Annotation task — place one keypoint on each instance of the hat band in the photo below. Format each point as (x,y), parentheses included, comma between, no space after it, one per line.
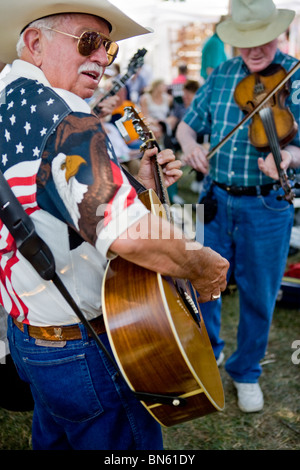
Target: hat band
(253,25)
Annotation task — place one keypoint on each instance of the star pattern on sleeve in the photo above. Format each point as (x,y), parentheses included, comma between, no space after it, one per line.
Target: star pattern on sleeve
(22,133)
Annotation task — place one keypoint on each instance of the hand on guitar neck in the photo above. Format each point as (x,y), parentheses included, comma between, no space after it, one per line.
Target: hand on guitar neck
(170,168)
(106,107)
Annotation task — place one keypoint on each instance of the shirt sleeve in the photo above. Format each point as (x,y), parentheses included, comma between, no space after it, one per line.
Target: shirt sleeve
(81,183)
(198,114)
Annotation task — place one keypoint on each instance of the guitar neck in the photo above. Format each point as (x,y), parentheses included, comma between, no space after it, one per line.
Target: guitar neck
(147,137)
(161,189)
(159,183)
(117,85)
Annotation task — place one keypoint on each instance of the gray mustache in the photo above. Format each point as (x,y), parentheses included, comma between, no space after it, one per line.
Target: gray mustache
(91,67)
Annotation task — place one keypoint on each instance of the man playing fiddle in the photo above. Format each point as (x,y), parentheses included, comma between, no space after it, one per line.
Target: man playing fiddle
(251,227)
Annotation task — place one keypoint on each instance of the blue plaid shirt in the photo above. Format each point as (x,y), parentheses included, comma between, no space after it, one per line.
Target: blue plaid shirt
(215,112)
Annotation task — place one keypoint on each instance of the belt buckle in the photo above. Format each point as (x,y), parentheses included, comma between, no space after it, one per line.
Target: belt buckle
(58,333)
(230,189)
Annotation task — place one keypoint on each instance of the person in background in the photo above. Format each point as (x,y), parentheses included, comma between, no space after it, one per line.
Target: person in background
(155,106)
(137,84)
(247,222)
(213,54)
(182,75)
(189,88)
(177,112)
(63,168)
(176,87)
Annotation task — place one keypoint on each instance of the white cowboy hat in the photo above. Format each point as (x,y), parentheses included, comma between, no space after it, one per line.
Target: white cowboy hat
(16,14)
(254,23)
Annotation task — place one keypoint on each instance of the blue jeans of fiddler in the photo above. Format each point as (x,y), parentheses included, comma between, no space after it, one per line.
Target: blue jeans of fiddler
(253,234)
(80,403)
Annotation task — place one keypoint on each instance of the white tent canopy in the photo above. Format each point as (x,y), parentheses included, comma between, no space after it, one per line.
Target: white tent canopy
(192,9)
(161,16)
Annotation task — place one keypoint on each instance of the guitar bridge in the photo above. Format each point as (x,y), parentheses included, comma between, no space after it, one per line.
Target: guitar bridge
(189,303)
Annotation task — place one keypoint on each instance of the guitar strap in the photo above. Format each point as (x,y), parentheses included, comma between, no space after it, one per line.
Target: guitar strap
(134,182)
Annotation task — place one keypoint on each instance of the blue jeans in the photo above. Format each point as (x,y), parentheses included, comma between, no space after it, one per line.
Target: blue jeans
(252,233)
(80,402)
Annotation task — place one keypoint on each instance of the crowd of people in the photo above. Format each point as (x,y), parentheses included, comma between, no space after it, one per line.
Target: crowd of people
(64,163)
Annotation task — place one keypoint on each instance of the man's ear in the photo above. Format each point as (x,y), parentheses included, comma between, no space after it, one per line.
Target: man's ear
(33,41)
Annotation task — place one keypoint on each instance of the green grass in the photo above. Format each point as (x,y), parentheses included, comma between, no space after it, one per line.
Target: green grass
(278,425)
(15,430)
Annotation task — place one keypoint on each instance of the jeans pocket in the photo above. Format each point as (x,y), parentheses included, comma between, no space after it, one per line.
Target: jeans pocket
(273,204)
(65,387)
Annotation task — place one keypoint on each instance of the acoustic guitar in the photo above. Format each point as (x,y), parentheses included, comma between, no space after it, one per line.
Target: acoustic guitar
(156,330)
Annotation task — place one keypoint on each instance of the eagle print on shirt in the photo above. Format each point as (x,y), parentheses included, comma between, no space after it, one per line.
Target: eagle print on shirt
(79,172)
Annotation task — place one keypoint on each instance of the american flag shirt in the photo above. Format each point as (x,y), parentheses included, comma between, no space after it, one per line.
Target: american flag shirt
(62,167)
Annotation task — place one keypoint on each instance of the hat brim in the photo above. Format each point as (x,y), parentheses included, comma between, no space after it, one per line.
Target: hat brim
(15,15)
(230,34)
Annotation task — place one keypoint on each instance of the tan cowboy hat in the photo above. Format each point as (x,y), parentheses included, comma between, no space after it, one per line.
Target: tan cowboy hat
(16,14)
(254,23)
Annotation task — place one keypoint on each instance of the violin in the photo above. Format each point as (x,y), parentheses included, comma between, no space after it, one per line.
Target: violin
(266,99)
(273,126)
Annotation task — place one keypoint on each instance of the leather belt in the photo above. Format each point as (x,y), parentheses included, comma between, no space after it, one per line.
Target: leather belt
(262,190)
(61,333)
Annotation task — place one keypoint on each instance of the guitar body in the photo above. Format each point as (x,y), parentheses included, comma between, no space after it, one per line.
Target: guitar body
(159,346)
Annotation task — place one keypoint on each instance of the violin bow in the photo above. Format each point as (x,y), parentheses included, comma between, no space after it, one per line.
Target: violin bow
(254,111)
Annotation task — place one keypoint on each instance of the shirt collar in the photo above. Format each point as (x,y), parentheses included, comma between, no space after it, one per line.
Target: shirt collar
(21,68)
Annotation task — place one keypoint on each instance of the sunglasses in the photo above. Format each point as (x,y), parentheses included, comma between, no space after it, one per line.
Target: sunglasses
(90,41)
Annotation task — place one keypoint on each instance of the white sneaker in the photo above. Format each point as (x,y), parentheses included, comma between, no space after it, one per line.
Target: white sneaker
(250,397)
(220,358)
(196,186)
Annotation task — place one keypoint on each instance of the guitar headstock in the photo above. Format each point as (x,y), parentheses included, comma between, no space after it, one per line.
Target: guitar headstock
(146,136)
(137,61)
(144,132)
